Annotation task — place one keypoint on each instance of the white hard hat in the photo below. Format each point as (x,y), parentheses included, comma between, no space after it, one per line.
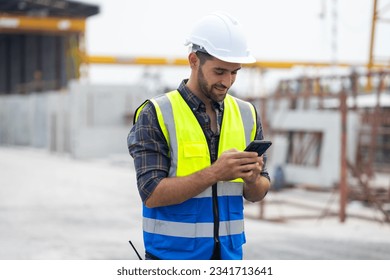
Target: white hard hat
(220,35)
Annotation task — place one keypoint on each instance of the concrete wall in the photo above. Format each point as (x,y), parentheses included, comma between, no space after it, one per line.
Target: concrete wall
(23,120)
(90,121)
(86,121)
(327,122)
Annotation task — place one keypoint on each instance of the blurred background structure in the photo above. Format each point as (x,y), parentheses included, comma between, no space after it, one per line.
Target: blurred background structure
(329,121)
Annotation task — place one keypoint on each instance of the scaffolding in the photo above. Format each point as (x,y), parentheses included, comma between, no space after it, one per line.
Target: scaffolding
(346,94)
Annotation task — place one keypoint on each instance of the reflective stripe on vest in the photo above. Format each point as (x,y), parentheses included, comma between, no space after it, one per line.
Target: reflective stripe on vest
(168,230)
(192,230)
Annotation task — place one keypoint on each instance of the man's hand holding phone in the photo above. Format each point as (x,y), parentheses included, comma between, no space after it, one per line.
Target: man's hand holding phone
(259,146)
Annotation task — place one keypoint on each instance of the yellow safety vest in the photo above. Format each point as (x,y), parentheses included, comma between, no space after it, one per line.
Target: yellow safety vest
(186,231)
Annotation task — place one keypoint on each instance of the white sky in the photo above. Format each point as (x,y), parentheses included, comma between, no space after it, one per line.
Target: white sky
(280,30)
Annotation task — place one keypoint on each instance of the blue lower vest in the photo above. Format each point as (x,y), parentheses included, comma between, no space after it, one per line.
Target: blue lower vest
(186,231)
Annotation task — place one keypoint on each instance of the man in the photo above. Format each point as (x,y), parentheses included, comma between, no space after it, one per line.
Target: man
(187,145)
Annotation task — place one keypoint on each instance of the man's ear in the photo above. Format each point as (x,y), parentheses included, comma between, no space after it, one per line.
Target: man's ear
(193,59)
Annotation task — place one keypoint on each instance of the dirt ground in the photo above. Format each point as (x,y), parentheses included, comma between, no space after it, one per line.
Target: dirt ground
(53,207)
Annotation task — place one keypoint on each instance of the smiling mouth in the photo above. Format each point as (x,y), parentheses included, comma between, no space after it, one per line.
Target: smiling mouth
(224,89)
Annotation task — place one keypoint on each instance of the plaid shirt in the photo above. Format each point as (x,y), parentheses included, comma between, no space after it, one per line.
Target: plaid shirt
(149,148)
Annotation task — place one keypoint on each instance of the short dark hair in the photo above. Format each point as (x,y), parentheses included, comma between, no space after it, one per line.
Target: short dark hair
(203,57)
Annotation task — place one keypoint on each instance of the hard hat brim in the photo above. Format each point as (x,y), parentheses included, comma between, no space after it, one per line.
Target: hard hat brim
(243,60)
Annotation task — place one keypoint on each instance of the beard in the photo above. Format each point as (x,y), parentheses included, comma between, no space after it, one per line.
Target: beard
(207,90)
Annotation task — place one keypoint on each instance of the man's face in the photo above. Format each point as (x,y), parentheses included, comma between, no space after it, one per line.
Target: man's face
(215,77)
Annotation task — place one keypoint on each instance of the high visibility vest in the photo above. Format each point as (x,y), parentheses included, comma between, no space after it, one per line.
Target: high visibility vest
(186,230)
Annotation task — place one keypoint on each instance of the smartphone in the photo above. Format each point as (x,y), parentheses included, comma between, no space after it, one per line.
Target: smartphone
(259,146)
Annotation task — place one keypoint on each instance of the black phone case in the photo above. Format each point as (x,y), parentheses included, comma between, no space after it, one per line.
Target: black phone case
(259,146)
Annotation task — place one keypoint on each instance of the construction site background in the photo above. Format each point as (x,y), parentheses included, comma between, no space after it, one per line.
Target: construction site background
(65,172)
